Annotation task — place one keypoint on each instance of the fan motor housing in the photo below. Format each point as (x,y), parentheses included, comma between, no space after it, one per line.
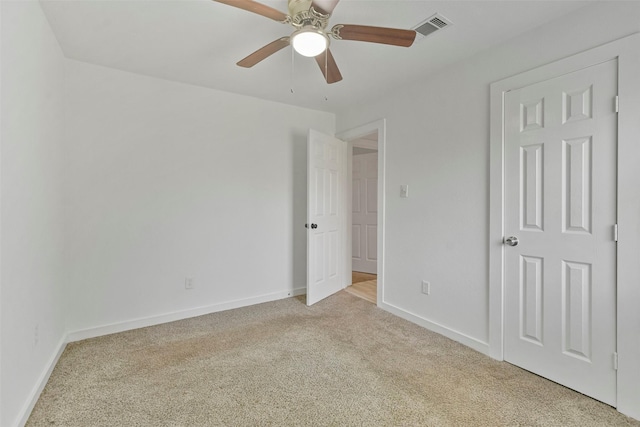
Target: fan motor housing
(302,14)
(297,6)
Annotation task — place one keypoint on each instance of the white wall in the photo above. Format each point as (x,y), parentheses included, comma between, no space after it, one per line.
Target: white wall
(115,187)
(438,143)
(166,181)
(31,279)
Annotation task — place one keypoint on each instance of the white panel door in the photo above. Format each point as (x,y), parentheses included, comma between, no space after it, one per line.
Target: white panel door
(324,215)
(560,203)
(365,213)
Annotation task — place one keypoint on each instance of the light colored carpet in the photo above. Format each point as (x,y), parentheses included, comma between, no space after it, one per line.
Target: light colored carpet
(342,362)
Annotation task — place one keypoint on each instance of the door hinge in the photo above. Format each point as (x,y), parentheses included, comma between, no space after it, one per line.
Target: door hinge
(615,361)
(617,104)
(615,232)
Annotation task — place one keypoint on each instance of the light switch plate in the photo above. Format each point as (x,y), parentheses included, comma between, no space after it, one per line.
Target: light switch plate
(426,287)
(404,191)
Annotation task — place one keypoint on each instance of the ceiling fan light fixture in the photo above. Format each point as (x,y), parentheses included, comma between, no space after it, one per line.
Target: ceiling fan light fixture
(309,41)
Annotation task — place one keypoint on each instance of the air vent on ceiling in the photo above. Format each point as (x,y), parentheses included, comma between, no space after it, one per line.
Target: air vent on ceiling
(431,25)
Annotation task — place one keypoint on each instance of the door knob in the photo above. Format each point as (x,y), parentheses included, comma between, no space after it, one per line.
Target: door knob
(314,226)
(511,241)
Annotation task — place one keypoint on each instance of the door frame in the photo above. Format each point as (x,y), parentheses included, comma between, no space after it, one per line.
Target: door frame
(625,51)
(349,136)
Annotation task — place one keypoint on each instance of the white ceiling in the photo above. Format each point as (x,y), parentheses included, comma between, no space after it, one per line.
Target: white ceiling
(199,41)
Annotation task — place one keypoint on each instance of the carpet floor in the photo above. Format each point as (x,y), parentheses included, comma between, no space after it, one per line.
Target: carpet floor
(342,362)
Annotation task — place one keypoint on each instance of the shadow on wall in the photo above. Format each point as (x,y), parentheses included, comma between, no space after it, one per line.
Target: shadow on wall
(299,194)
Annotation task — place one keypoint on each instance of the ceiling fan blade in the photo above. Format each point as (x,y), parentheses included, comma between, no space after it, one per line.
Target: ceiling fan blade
(324,6)
(329,67)
(264,52)
(364,33)
(256,7)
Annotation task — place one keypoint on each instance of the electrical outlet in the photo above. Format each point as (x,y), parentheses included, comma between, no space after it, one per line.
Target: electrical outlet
(426,287)
(189,283)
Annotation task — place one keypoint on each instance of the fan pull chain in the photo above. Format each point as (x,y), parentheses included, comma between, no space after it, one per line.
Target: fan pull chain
(326,72)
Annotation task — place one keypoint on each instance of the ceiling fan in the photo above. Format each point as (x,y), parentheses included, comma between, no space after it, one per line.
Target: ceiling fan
(310,37)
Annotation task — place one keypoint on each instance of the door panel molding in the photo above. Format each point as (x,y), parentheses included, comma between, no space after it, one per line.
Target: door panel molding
(625,51)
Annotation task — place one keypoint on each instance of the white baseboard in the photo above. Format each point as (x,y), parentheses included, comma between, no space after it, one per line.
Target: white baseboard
(474,343)
(24,414)
(178,315)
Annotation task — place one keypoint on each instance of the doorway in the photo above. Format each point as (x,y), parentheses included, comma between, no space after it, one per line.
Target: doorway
(365,211)
(364,217)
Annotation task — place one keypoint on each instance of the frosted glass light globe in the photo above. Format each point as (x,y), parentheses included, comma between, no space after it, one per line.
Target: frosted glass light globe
(309,42)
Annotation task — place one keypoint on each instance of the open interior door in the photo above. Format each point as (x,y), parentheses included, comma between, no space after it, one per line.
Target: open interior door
(325,225)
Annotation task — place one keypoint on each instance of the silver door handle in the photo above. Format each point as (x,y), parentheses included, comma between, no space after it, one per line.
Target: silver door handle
(511,241)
